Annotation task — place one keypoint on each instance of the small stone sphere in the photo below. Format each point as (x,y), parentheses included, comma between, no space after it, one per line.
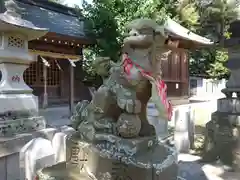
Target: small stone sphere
(128,125)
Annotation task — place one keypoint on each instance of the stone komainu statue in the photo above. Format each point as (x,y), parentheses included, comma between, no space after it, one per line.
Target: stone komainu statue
(119,106)
(113,130)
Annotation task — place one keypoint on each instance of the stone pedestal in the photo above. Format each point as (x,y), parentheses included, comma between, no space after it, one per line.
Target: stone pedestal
(107,162)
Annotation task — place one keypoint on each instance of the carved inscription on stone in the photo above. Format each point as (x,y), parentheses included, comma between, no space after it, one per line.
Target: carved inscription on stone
(120,171)
(74,154)
(78,156)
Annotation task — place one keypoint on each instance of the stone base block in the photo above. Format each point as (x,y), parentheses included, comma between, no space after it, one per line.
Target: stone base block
(18,103)
(222,139)
(105,169)
(108,169)
(89,162)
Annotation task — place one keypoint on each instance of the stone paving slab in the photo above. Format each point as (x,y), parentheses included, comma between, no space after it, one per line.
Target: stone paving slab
(56,116)
(189,169)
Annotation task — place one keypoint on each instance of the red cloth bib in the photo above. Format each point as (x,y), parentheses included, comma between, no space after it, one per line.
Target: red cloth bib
(161,86)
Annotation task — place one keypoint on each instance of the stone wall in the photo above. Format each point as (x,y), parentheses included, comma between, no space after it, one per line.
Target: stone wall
(200,113)
(205,89)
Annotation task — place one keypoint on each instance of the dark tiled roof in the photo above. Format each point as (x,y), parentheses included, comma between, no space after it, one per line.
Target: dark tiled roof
(57,18)
(50,5)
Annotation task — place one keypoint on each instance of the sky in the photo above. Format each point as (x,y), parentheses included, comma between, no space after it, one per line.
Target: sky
(78,2)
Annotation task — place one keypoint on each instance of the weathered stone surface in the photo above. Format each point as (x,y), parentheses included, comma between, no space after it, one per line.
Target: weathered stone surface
(222,139)
(229,105)
(184,130)
(58,172)
(12,166)
(234,66)
(59,144)
(11,145)
(234,119)
(40,153)
(3,162)
(24,125)
(35,155)
(87,160)
(109,169)
(128,125)
(226,105)
(233,81)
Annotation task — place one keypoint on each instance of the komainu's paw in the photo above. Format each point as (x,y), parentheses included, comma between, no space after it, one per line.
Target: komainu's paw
(128,125)
(130,105)
(106,125)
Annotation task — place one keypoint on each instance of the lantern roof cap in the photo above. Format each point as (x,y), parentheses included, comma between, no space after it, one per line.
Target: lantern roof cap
(11,21)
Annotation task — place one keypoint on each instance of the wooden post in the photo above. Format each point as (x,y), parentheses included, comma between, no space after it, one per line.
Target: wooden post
(45,94)
(71,97)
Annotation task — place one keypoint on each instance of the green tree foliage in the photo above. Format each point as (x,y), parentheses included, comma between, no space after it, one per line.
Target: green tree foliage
(106,20)
(215,19)
(188,14)
(217,16)
(217,68)
(101,25)
(200,61)
(221,13)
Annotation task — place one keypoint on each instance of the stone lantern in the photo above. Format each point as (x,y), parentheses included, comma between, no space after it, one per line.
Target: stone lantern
(222,135)
(18,107)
